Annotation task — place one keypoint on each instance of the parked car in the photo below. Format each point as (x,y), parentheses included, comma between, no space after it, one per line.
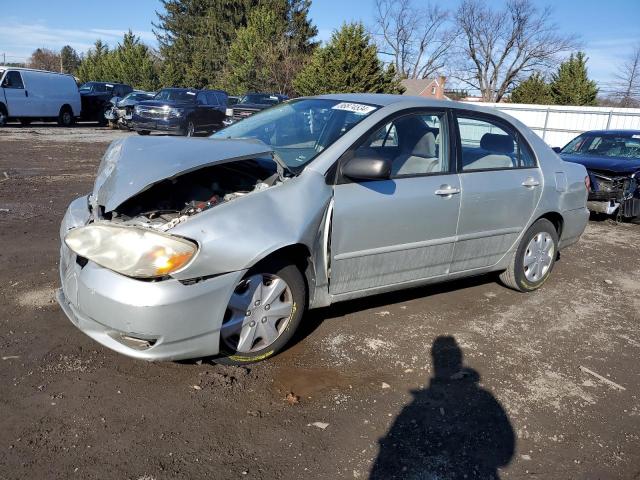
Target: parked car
(612,158)
(190,248)
(181,111)
(27,95)
(120,111)
(96,97)
(252,103)
(232,100)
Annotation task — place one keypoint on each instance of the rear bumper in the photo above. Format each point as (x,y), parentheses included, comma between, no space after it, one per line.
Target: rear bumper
(574,223)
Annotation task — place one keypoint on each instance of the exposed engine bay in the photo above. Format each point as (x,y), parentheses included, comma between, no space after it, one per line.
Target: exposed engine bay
(614,194)
(173,201)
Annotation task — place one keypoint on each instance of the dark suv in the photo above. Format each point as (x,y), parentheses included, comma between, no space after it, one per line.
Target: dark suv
(182,111)
(252,103)
(95,97)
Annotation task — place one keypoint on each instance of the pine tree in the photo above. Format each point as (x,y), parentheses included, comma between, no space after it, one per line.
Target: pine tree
(534,90)
(94,65)
(269,52)
(194,38)
(571,84)
(348,63)
(69,59)
(133,63)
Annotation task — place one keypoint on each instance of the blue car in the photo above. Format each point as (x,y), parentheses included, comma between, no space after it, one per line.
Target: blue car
(181,111)
(612,159)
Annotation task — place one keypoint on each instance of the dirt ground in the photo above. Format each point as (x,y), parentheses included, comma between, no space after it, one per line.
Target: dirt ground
(463,380)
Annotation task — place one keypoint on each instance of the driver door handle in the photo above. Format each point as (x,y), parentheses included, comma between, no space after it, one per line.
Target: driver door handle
(530,182)
(446,191)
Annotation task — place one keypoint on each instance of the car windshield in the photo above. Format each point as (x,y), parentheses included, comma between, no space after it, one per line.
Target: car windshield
(621,146)
(260,98)
(299,130)
(176,95)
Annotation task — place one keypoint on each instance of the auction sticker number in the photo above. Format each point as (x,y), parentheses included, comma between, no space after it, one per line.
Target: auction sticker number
(357,108)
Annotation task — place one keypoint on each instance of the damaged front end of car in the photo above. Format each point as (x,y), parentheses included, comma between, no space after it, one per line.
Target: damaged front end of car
(614,194)
(151,257)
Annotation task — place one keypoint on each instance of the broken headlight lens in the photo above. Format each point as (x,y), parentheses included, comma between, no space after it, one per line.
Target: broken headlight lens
(132,251)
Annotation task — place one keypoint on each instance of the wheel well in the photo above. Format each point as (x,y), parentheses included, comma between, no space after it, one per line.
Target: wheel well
(556,219)
(66,106)
(3,107)
(297,253)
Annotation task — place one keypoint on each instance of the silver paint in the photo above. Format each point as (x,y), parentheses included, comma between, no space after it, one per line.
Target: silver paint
(362,238)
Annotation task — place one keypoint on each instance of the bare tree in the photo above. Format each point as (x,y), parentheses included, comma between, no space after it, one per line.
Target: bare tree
(418,38)
(627,84)
(45,59)
(503,46)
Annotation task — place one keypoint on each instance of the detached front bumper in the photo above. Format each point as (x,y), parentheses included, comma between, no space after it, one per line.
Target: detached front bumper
(164,320)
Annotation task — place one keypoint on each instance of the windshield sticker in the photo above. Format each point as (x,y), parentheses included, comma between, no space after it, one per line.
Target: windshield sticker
(191,93)
(357,108)
(635,136)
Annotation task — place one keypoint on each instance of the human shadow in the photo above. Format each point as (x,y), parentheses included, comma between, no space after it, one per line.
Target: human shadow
(454,429)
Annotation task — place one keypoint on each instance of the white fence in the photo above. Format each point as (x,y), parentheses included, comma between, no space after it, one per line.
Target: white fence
(558,124)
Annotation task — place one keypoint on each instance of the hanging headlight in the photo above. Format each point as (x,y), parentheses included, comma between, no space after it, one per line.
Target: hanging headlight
(132,251)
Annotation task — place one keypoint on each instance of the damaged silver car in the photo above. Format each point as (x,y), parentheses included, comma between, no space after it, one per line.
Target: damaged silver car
(191,248)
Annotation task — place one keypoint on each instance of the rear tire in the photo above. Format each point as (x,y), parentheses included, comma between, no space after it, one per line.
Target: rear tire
(65,117)
(25,122)
(534,258)
(292,301)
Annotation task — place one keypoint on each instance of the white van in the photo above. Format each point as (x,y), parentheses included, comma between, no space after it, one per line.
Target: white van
(27,94)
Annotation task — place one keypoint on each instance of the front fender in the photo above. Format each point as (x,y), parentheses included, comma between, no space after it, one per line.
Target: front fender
(240,233)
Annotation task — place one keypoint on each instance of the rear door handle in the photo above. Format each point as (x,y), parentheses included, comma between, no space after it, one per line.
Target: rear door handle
(530,182)
(447,191)
(26,93)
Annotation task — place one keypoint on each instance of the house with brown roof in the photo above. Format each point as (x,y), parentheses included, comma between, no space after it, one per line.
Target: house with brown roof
(425,87)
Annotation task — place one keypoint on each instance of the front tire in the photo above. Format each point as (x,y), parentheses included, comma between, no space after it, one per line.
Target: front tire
(65,117)
(143,132)
(3,115)
(191,129)
(534,259)
(263,313)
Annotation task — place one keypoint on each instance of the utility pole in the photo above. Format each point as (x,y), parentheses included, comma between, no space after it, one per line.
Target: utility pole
(4,58)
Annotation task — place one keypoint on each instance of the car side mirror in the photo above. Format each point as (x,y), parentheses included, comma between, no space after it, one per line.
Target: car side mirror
(556,149)
(367,168)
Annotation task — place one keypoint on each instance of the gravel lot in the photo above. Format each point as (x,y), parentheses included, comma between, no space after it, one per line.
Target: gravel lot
(547,386)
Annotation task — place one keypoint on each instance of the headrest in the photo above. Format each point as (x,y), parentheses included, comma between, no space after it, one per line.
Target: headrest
(497,143)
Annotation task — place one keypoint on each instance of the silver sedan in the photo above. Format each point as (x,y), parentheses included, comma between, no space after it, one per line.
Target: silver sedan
(191,248)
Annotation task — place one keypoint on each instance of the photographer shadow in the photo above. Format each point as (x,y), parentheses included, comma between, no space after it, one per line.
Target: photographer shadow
(454,429)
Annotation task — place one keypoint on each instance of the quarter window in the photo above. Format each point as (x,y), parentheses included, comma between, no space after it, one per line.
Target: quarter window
(415,145)
(487,145)
(13,80)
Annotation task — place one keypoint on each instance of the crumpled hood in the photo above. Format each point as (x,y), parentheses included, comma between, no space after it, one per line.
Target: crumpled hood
(133,164)
(615,165)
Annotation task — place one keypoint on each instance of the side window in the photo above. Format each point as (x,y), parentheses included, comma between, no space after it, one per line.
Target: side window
(13,79)
(415,144)
(212,99)
(487,145)
(201,98)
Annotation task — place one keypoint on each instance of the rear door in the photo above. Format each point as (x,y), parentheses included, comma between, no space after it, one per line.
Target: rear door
(387,232)
(16,94)
(501,186)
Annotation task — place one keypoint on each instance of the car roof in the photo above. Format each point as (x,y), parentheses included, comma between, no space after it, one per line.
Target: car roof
(612,132)
(25,69)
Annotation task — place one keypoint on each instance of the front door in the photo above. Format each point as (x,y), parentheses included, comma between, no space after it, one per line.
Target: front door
(16,95)
(501,186)
(394,231)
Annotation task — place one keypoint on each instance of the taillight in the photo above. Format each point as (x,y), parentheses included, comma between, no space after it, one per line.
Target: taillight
(587,183)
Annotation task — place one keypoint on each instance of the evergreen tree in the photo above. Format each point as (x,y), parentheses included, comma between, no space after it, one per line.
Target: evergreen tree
(94,65)
(571,84)
(69,59)
(194,38)
(533,90)
(269,52)
(133,63)
(348,63)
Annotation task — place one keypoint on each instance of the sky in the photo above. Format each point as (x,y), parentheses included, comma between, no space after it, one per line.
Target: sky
(607,30)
